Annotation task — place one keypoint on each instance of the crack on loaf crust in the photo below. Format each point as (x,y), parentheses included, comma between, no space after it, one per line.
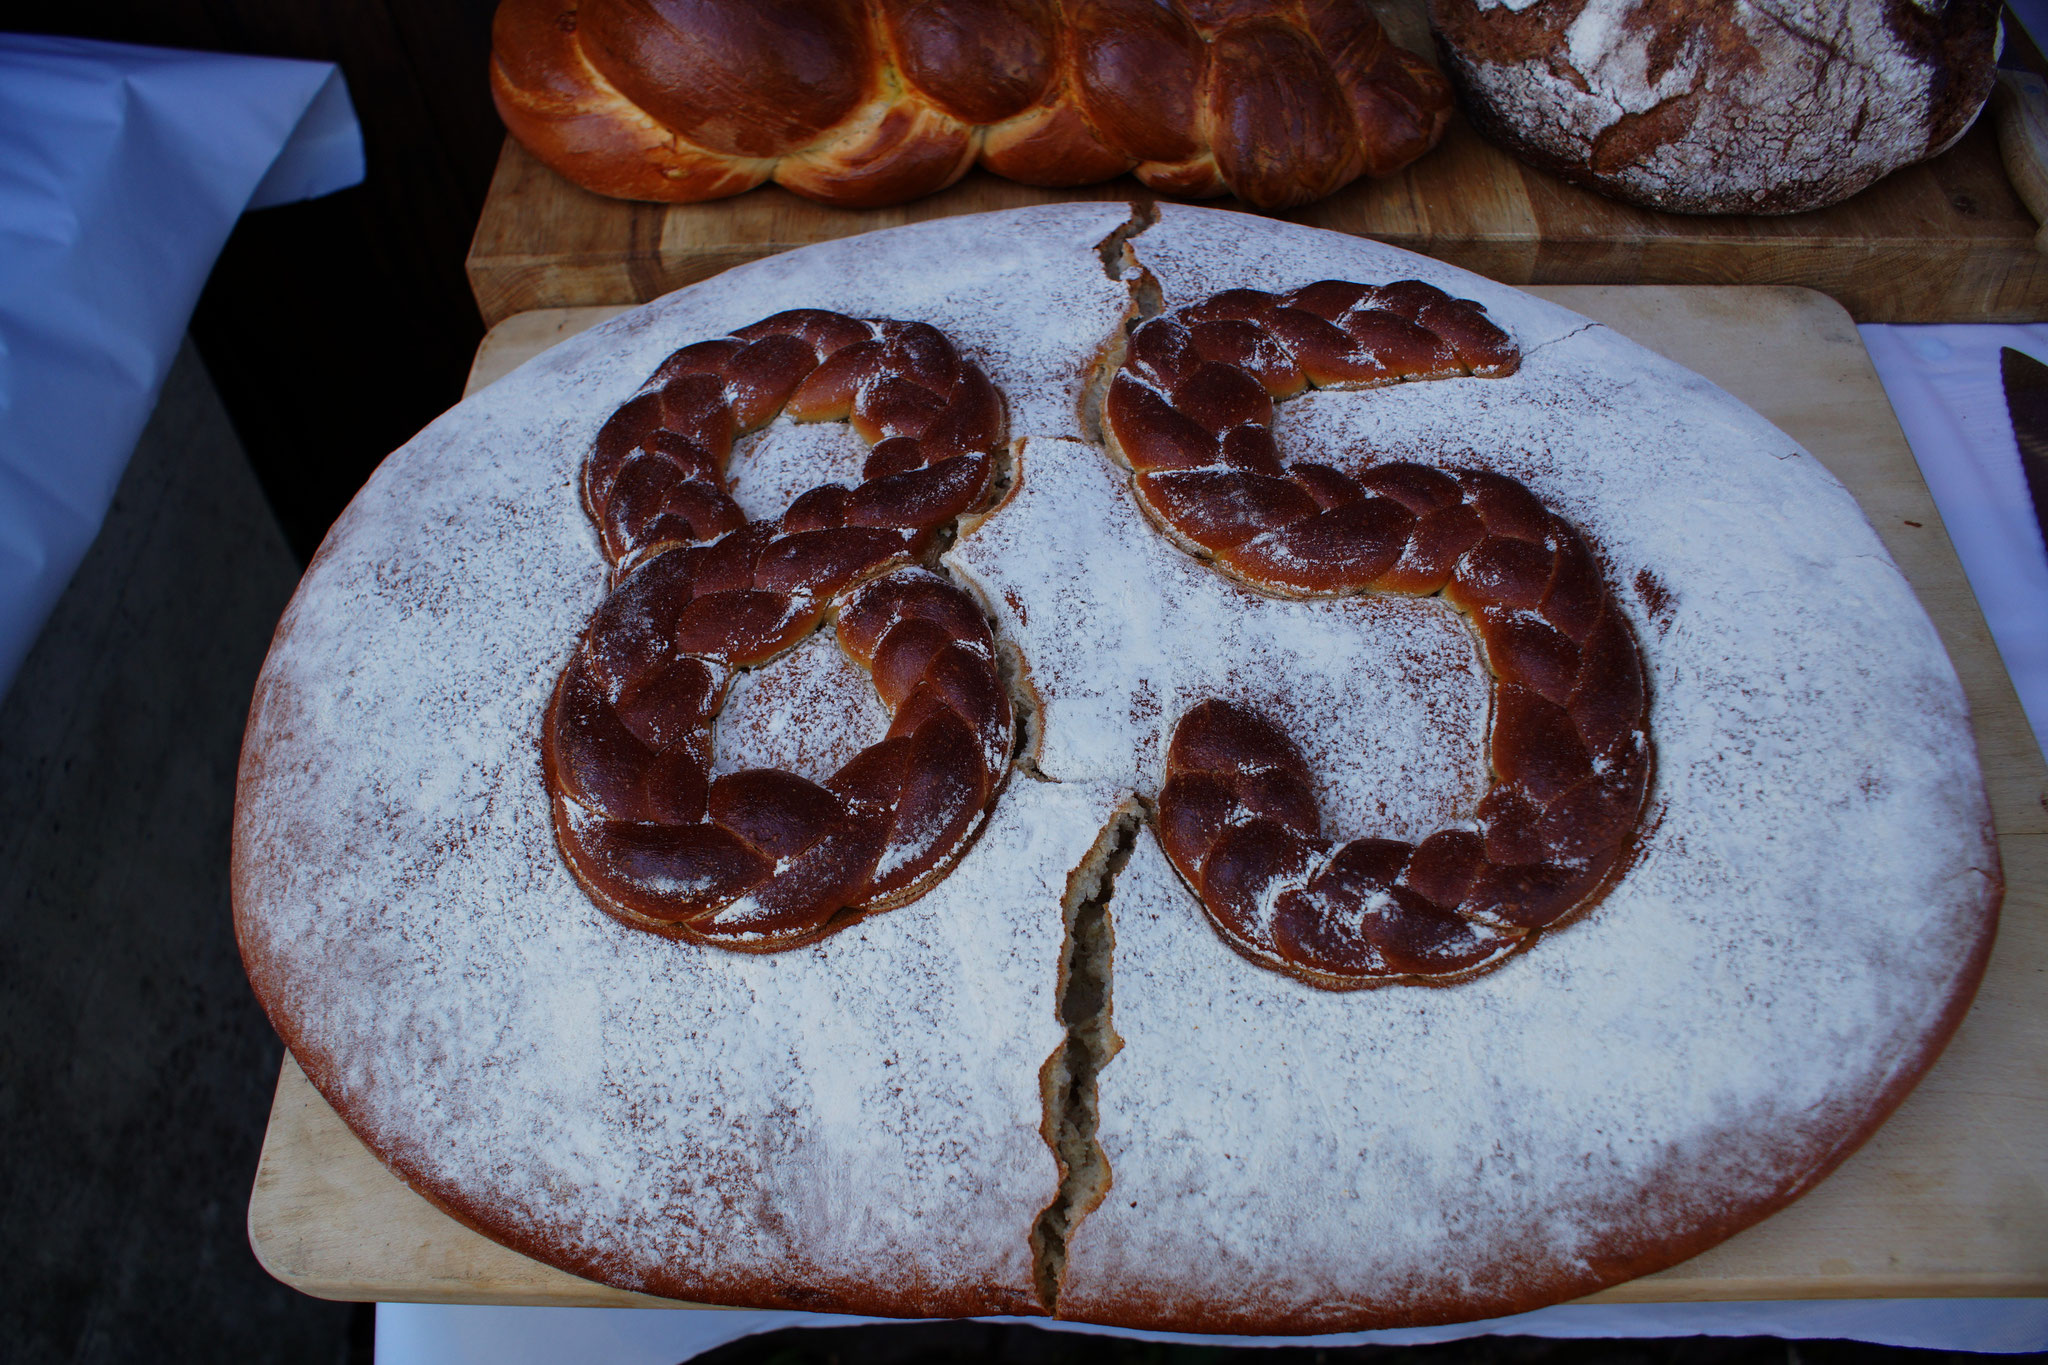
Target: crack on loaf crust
(1068,1079)
(1119,263)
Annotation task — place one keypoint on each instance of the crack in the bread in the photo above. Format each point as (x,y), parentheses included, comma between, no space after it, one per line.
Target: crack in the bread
(1068,1079)
(1026,707)
(1000,483)
(1558,340)
(1144,213)
(1120,263)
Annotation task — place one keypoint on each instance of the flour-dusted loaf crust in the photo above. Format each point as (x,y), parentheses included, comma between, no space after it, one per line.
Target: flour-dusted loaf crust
(1721,106)
(1049,1085)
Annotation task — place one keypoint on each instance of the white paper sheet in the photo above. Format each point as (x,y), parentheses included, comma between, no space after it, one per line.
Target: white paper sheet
(122,170)
(1945,387)
(461,1334)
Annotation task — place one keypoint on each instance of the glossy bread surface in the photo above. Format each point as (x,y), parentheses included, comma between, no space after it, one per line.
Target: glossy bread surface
(863,104)
(763,859)
(1191,412)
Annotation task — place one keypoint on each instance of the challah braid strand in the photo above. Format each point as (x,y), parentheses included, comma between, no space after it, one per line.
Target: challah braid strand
(863,103)
(1190,412)
(760,859)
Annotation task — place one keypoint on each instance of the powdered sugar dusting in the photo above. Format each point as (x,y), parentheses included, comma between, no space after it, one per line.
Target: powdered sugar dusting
(852,1123)
(1191,246)
(837,1120)
(772,466)
(1785,104)
(1029,303)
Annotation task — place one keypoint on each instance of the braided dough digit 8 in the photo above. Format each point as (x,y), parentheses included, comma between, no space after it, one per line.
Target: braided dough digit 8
(761,860)
(1190,412)
(862,103)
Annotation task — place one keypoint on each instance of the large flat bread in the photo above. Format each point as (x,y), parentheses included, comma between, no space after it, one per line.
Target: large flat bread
(1049,1085)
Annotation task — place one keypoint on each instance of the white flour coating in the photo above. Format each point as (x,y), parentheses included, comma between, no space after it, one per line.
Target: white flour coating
(1833,101)
(770,467)
(856,1124)
(1028,304)
(1122,633)
(1804,908)
(807,712)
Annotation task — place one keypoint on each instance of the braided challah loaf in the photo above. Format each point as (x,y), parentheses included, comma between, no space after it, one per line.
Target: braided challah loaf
(870,102)
(761,859)
(1191,414)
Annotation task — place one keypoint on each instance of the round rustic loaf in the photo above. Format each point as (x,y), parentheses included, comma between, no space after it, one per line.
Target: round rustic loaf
(862,103)
(1049,1084)
(1699,106)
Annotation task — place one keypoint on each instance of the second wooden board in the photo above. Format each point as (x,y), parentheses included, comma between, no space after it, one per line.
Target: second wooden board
(1944,241)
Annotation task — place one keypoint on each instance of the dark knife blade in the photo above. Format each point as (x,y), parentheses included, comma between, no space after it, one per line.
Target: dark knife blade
(2026,402)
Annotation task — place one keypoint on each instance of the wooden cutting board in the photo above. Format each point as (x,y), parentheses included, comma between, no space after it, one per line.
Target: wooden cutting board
(1949,1198)
(1944,241)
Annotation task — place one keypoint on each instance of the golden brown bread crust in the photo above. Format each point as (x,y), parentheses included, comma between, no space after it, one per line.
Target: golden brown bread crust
(862,103)
(761,860)
(1191,413)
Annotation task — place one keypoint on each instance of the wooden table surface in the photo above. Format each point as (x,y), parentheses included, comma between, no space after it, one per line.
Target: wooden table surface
(1943,241)
(1950,1198)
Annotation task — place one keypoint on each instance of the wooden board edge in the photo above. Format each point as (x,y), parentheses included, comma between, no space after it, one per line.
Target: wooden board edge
(504,287)
(257,1219)
(1913,274)
(514,340)
(268,1210)
(1668,1286)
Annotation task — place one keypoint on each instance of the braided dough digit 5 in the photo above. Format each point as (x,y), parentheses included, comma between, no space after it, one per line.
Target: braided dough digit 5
(761,859)
(1190,412)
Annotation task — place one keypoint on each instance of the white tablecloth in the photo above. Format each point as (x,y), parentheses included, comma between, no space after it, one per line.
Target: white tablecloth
(462,1334)
(122,170)
(1944,385)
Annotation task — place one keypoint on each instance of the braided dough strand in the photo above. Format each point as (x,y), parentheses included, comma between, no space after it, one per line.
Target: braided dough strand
(1190,412)
(762,859)
(863,103)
